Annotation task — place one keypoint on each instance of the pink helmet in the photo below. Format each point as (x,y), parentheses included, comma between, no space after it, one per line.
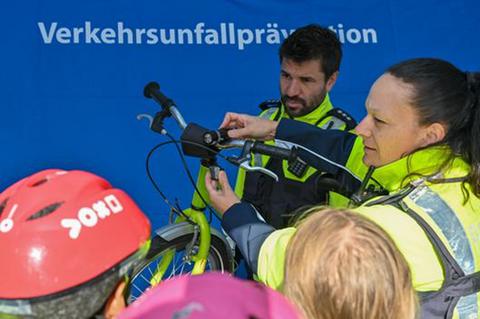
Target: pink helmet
(211,295)
(66,240)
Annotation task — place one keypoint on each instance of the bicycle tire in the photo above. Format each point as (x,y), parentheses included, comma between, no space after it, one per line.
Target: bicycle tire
(219,259)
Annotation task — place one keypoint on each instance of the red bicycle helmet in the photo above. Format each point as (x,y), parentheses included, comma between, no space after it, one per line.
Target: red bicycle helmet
(66,238)
(212,295)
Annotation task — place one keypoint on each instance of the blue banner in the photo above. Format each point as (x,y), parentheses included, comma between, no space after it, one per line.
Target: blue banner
(72,73)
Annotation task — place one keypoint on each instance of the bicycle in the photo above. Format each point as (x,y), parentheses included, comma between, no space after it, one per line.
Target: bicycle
(188,244)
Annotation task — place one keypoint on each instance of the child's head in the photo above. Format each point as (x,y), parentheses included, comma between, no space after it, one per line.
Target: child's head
(339,264)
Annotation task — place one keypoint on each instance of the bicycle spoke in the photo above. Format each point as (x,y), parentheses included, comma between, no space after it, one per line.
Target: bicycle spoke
(150,271)
(177,264)
(135,286)
(143,277)
(171,261)
(174,267)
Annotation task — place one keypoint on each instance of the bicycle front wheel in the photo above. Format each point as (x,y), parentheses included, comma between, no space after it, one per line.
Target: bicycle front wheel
(172,249)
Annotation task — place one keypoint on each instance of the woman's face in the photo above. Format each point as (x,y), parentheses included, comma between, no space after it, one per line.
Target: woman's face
(391,128)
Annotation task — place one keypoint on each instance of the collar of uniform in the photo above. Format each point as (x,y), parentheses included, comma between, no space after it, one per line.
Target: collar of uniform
(424,162)
(315,115)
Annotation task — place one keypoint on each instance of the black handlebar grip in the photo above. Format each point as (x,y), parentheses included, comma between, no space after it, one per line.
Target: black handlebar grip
(270,150)
(152,91)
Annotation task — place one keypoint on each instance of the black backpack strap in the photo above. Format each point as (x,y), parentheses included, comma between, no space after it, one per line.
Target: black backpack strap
(437,304)
(340,115)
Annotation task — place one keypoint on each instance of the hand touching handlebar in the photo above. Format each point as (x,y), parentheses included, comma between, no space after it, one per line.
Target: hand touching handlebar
(242,126)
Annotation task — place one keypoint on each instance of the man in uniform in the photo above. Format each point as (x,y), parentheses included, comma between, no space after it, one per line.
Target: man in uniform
(310,60)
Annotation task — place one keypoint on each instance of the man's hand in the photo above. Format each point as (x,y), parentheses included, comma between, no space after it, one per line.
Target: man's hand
(221,194)
(244,126)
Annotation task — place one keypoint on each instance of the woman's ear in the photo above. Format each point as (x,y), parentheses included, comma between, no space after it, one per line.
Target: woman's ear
(434,133)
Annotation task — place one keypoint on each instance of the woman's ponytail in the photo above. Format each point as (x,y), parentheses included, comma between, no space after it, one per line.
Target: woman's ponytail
(473,152)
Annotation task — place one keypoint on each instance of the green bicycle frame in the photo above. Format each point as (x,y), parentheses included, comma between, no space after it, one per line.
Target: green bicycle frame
(196,214)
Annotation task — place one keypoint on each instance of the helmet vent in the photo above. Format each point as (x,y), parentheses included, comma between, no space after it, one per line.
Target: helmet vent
(45,211)
(40,182)
(2,205)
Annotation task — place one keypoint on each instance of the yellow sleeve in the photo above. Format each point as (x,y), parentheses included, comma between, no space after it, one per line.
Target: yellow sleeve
(427,272)
(271,259)
(240,182)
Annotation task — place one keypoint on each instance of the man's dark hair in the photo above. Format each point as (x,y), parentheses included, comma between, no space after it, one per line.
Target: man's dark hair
(313,42)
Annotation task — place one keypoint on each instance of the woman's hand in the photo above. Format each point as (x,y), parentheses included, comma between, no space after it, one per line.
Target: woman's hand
(221,194)
(246,126)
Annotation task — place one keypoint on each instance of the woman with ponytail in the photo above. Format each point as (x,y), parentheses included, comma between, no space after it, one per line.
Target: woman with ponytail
(412,166)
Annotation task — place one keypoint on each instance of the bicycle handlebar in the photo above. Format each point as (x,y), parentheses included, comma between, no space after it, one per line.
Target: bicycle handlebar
(218,139)
(152,91)
(203,143)
(273,151)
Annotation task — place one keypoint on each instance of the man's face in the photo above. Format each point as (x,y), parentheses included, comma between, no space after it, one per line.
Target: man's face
(303,86)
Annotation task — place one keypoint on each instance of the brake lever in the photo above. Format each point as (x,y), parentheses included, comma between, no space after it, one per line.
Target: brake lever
(246,166)
(244,159)
(148,117)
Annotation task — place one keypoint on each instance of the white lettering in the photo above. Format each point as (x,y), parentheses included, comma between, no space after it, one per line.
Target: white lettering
(242,40)
(258,35)
(113,203)
(152,37)
(231,33)
(76,34)
(108,35)
(339,32)
(47,36)
(138,35)
(6,225)
(199,31)
(91,34)
(273,37)
(63,35)
(354,36)
(122,32)
(211,36)
(369,32)
(87,217)
(163,36)
(74,225)
(188,33)
(225,33)
(101,208)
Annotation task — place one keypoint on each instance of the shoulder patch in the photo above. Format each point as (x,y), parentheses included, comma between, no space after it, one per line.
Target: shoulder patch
(343,116)
(269,113)
(268,104)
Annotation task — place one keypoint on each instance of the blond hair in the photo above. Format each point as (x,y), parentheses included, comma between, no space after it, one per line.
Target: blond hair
(339,264)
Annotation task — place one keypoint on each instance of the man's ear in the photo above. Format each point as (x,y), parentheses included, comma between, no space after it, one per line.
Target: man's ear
(331,81)
(434,133)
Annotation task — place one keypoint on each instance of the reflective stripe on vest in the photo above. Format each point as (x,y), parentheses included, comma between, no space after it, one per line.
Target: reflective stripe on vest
(452,229)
